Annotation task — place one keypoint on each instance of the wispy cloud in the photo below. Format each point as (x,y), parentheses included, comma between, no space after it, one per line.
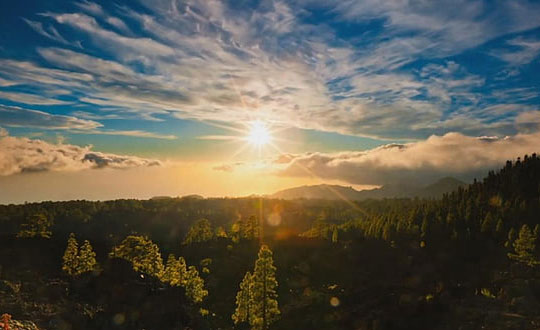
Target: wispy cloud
(524,51)
(30,98)
(206,60)
(49,32)
(20,117)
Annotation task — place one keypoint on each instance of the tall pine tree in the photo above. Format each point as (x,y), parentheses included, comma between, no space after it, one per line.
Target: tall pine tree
(264,295)
(194,285)
(524,247)
(201,231)
(244,300)
(70,259)
(87,259)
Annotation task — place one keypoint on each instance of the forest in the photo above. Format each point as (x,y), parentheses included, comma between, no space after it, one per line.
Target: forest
(469,260)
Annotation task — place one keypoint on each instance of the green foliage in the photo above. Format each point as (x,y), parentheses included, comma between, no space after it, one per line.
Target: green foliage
(177,274)
(319,229)
(175,271)
(201,231)
(220,232)
(87,259)
(78,261)
(194,285)
(251,228)
(143,254)
(70,259)
(511,238)
(524,247)
(488,224)
(245,229)
(38,225)
(244,300)
(487,293)
(263,293)
(335,235)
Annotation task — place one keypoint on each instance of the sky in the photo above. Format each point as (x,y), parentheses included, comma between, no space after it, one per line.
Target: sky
(133,99)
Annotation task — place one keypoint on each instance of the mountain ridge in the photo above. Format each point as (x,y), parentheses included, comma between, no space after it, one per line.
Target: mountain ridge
(333,192)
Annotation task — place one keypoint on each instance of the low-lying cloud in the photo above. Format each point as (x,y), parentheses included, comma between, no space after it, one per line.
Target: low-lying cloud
(422,162)
(22,155)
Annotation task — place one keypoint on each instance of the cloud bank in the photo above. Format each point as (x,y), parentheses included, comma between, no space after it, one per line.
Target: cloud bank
(421,162)
(23,155)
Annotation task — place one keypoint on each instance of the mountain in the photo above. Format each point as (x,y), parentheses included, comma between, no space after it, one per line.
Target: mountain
(322,191)
(332,192)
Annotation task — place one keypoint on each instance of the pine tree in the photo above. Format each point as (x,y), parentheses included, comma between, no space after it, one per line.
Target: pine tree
(335,235)
(38,225)
(487,224)
(194,285)
(499,229)
(244,300)
(511,238)
(264,295)
(220,232)
(251,228)
(70,259)
(87,259)
(524,247)
(201,231)
(142,253)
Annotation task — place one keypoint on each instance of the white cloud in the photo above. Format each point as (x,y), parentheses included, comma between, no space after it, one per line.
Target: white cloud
(204,60)
(420,162)
(52,33)
(527,50)
(21,155)
(15,116)
(29,98)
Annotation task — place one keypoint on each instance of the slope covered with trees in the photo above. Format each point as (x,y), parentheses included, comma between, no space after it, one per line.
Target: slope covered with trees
(469,260)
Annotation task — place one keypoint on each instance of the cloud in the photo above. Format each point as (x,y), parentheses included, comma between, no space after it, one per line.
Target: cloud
(224,168)
(29,98)
(15,116)
(209,61)
(423,162)
(134,133)
(524,52)
(51,34)
(20,117)
(23,155)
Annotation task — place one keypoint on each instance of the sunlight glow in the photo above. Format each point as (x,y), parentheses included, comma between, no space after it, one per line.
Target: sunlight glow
(258,135)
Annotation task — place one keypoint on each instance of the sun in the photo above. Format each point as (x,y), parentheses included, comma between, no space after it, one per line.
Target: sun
(258,134)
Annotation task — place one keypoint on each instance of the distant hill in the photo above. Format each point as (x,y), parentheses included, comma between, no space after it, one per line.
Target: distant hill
(332,192)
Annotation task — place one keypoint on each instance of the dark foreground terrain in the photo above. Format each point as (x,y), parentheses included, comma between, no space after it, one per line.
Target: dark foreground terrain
(467,261)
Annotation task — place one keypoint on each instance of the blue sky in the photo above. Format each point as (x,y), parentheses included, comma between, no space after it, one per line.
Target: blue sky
(156,79)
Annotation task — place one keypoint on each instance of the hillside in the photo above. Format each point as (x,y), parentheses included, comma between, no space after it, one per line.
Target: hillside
(335,192)
(470,260)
